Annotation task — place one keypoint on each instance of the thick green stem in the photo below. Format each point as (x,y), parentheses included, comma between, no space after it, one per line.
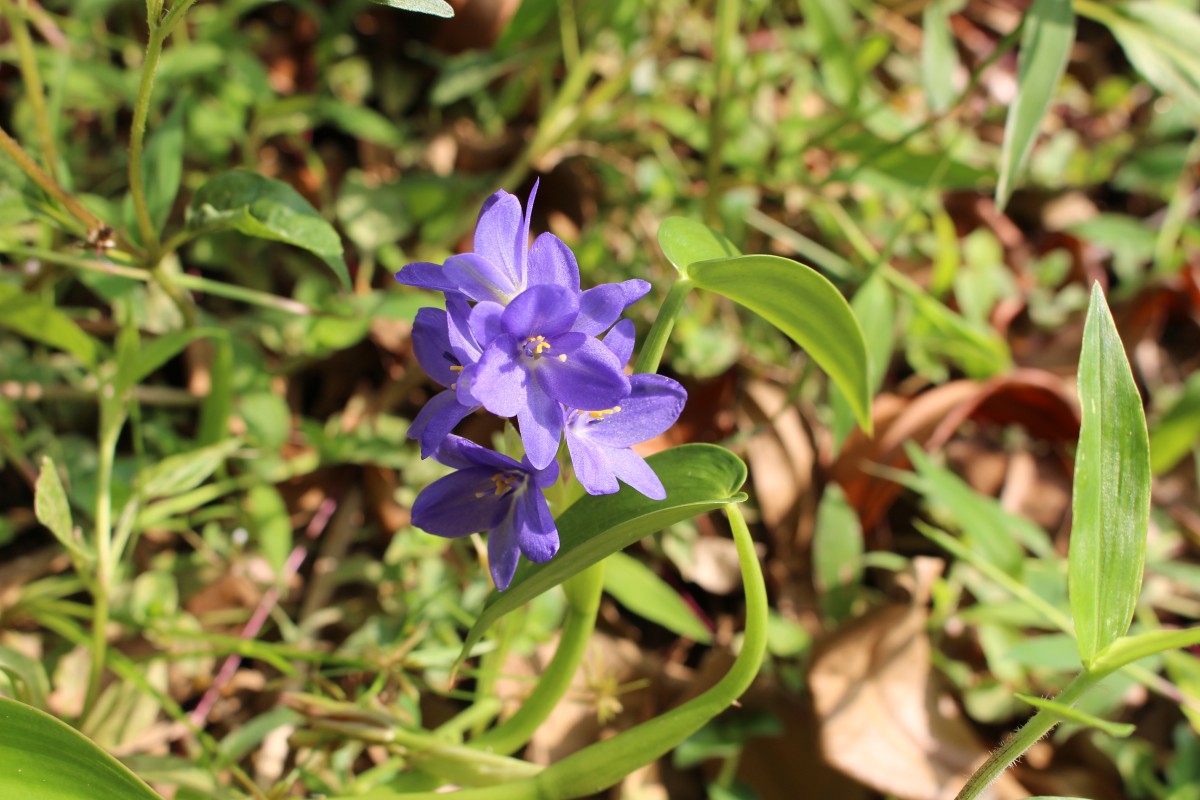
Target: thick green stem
(726,32)
(35,89)
(1038,726)
(583,602)
(660,332)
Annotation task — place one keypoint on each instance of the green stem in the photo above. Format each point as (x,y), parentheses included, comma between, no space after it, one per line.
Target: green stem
(35,89)
(569,28)
(727,28)
(660,332)
(137,137)
(583,602)
(1038,726)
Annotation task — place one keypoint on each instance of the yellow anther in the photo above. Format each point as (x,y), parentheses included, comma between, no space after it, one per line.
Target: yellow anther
(456,368)
(562,357)
(604,413)
(539,344)
(503,482)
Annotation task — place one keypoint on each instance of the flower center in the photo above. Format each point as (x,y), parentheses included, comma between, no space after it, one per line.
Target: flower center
(503,484)
(535,346)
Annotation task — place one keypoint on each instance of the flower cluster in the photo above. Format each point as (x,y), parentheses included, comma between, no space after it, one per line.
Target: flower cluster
(520,338)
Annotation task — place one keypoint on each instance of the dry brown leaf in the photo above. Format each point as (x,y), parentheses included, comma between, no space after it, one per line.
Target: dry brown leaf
(884,719)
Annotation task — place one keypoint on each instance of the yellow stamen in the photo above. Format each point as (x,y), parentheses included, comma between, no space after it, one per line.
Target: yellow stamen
(604,413)
(456,368)
(562,357)
(539,344)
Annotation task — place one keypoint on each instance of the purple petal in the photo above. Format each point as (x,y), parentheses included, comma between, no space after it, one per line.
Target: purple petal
(540,419)
(436,419)
(601,306)
(590,377)
(633,469)
(543,310)
(484,323)
(431,345)
(591,465)
(653,404)
(536,534)
(504,551)
(461,503)
(552,262)
(480,279)
(501,378)
(426,276)
(497,235)
(523,242)
(543,478)
(462,341)
(461,453)
(620,340)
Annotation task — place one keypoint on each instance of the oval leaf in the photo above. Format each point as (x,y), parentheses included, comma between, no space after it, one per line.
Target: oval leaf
(265,208)
(698,478)
(42,757)
(1045,47)
(1111,501)
(805,305)
(684,242)
(52,509)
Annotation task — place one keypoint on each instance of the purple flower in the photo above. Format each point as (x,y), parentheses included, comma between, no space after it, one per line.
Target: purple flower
(535,363)
(491,492)
(448,352)
(599,441)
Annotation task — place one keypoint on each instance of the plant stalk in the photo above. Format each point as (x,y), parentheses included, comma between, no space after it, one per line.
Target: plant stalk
(727,28)
(655,344)
(32,76)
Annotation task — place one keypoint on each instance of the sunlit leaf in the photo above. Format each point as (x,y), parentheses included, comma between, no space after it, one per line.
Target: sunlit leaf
(874,306)
(1111,504)
(265,208)
(698,478)
(438,8)
(939,59)
(1045,47)
(804,305)
(1065,713)
(42,758)
(685,241)
(183,471)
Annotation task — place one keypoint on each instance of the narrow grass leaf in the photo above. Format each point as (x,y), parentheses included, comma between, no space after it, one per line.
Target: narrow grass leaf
(1176,433)
(438,8)
(1045,48)
(1111,502)
(1160,41)
(639,589)
(262,207)
(804,305)
(43,758)
(684,242)
(837,553)
(28,315)
(939,59)
(874,306)
(1065,713)
(698,478)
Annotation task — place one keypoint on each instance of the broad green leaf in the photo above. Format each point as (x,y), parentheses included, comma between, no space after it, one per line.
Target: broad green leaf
(684,242)
(1174,436)
(265,208)
(803,304)
(939,58)
(639,589)
(837,552)
(52,509)
(27,315)
(1065,713)
(1111,500)
(183,471)
(43,758)
(438,8)
(1046,43)
(874,307)
(698,478)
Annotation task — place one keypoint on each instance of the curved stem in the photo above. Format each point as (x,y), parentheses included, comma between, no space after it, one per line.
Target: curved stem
(35,89)
(656,340)
(583,602)
(1038,726)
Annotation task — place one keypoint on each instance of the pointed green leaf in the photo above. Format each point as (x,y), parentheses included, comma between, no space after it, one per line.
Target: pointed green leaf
(1065,713)
(638,588)
(27,315)
(805,305)
(1160,41)
(43,758)
(1045,47)
(183,471)
(874,307)
(53,511)
(837,553)
(135,364)
(684,242)
(939,58)
(698,478)
(1128,649)
(265,208)
(438,8)
(1111,502)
